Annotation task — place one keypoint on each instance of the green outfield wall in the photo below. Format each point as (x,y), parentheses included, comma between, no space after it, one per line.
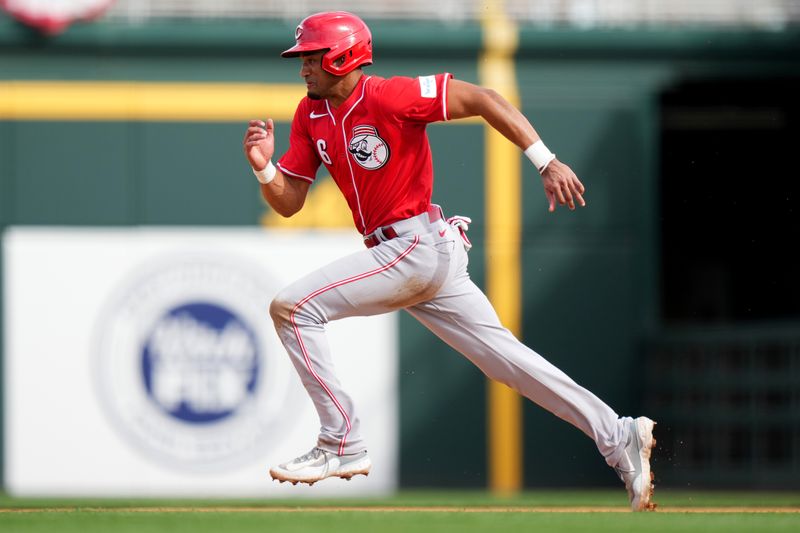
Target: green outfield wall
(591,301)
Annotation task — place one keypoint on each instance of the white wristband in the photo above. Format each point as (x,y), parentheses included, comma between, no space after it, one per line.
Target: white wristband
(266,174)
(539,155)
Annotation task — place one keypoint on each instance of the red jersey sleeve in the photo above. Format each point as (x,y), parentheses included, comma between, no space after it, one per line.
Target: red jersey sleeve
(420,99)
(301,161)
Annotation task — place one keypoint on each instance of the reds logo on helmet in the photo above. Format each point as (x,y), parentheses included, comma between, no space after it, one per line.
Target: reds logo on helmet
(345,37)
(367,147)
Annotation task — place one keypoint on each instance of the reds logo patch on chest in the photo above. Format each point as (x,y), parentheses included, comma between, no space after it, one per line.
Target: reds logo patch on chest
(368,149)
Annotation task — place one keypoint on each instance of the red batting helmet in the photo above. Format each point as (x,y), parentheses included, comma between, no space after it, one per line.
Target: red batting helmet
(342,34)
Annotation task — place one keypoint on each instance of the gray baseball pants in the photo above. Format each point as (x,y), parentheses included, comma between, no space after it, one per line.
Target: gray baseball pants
(424,271)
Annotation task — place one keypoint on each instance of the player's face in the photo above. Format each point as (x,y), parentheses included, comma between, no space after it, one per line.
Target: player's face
(318,82)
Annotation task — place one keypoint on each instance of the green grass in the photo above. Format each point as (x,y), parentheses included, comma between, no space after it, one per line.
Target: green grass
(333,516)
(123,522)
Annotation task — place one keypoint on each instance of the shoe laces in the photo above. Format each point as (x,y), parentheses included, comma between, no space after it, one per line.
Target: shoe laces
(313,454)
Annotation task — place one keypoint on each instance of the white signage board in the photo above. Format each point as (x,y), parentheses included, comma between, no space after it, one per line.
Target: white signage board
(144,362)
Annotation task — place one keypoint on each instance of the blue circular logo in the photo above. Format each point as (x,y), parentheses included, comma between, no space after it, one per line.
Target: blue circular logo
(200,363)
(185,366)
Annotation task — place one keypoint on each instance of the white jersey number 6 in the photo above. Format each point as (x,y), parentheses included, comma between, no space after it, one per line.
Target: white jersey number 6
(321,146)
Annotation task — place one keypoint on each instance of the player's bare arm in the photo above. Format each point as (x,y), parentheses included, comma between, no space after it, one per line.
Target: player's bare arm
(285,195)
(467,100)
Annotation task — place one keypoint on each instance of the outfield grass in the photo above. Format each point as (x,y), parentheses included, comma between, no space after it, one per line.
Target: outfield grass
(419,511)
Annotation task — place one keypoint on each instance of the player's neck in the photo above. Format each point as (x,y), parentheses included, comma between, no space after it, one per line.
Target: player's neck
(344,88)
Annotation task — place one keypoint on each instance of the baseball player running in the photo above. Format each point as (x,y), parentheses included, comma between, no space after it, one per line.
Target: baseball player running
(369,132)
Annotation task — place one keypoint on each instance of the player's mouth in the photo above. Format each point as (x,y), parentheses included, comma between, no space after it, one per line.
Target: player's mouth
(311,93)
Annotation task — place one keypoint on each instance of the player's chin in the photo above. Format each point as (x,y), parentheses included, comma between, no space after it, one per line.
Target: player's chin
(314,96)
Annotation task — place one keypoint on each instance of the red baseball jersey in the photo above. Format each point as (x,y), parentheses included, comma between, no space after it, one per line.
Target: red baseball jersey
(374,145)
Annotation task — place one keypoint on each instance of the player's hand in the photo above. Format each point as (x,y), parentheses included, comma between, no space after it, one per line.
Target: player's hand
(259,143)
(562,186)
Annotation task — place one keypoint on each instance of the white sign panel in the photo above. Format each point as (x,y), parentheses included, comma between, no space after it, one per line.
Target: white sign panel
(143,362)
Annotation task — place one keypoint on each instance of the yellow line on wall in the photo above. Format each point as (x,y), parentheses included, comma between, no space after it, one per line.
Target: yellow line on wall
(147,101)
(150,101)
(502,190)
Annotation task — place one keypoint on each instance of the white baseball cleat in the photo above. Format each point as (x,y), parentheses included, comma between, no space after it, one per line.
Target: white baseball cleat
(318,464)
(634,467)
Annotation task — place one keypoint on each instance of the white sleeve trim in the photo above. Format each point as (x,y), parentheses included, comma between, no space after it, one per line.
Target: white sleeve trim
(447,77)
(294,174)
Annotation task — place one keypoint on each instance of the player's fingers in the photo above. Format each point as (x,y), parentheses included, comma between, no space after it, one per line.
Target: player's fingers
(577,185)
(256,134)
(568,196)
(578,190)
(551,200)
(270,126)
(581,201)
(560,196)
(257,123)
(247,136)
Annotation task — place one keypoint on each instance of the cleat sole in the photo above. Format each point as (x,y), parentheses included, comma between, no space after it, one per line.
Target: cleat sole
(651,505)
(276,476)
(645,502)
